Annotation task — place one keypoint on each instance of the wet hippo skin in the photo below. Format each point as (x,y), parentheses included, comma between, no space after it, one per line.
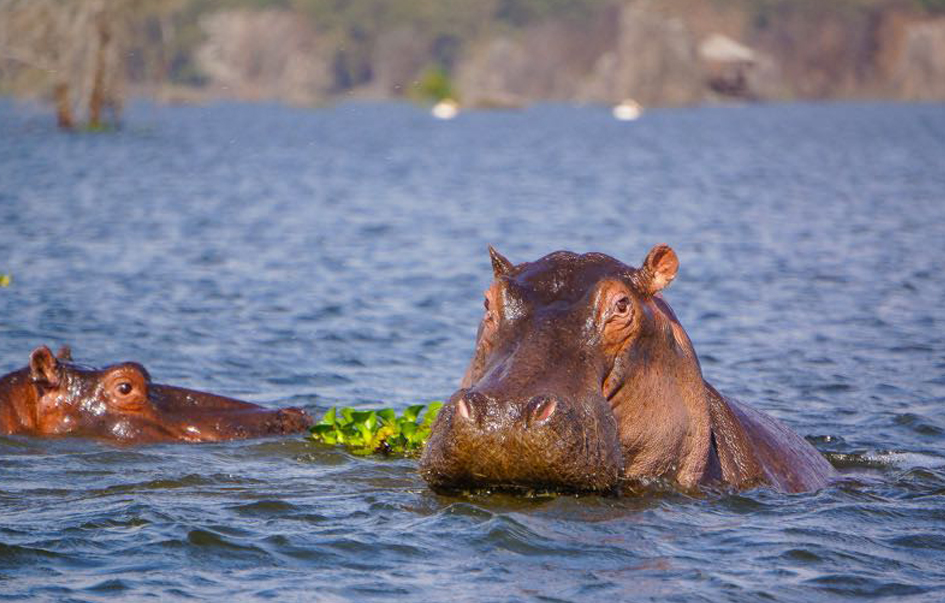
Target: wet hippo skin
(583,378)
(53,396)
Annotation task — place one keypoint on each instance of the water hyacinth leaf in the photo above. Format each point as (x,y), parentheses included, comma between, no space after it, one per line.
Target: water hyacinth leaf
(329,417)
(412,412)
(360,416)
(385,434)
(369,431)
(432,411)
(325,433)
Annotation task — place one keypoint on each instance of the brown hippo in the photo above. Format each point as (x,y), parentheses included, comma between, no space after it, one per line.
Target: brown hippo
(55,397)
(583,378)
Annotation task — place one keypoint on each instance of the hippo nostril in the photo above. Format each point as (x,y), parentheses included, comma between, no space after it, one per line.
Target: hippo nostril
(473,407)
(539,410)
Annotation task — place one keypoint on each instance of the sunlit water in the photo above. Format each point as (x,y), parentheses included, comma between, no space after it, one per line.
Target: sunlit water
(338,256)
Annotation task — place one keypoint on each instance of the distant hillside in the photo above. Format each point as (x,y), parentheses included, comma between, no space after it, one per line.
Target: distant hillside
(486,52)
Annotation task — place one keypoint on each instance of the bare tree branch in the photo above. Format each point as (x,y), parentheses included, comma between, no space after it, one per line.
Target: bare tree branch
(75,44)
(27,58)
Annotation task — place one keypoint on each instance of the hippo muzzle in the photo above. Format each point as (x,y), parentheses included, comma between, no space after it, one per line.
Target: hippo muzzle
(202,417)
(540,442)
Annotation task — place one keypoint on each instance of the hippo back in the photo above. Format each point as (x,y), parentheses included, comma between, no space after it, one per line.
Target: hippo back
(754,448)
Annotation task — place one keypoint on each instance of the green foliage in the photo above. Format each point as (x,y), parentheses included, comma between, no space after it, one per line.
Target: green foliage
(932,6)
(378,431)
(522,12)
(99,128)
(5,280)
(435,85)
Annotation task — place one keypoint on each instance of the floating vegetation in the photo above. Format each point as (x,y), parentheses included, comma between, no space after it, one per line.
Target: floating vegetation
(378,431)
(5,280)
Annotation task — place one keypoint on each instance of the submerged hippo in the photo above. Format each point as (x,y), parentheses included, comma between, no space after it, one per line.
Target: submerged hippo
(55,397)
(583,376)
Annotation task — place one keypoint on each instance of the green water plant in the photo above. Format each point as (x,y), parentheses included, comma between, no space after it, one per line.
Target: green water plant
(5,280)
(435,85)
(378,431)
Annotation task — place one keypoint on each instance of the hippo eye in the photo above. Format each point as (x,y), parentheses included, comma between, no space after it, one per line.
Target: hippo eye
(622,305)
(125,388)
(485,303)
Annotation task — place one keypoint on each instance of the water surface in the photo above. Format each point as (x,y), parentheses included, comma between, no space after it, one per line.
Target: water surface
(339,256)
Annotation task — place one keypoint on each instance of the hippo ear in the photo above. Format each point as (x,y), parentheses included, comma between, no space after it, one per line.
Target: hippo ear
(500,265)
(658,270)
(44,367)
(64,353)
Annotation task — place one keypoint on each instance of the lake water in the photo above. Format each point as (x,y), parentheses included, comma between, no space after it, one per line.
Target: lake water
(338,256)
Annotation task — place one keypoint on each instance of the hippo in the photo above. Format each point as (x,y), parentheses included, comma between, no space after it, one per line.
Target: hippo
(53,396)
(584,380)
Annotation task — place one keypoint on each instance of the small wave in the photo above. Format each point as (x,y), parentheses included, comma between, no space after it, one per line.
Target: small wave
(905,460)
(201,543)
(853,586)
(919,424)
(12,553)
(510,534)
(191,480)
(884,460)
(205,538)
(112,586)
(924,541)
(265,508)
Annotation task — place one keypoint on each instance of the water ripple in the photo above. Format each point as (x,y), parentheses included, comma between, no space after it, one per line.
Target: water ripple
(338,256)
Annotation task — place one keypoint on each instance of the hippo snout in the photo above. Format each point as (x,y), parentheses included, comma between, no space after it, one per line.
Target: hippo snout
(289,420)
(536,442)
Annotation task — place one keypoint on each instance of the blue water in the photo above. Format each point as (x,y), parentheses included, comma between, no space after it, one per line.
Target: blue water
(338,256)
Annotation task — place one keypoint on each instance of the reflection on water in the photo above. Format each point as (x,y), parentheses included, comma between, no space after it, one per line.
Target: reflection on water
(338,257)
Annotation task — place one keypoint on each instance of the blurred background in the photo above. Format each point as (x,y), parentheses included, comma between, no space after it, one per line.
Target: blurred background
(90,55)
(280,219)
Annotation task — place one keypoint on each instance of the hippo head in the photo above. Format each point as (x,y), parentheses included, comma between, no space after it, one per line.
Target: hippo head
(54,396)
(556,344)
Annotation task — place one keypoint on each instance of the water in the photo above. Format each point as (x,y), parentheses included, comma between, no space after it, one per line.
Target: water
(339,256)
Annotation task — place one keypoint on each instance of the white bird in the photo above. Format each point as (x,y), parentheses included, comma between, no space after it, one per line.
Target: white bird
(628,110)
(445,109)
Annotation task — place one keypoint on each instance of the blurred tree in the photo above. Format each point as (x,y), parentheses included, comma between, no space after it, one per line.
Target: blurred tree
(82,54)
(155,37)
(435,85)
(73,47)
